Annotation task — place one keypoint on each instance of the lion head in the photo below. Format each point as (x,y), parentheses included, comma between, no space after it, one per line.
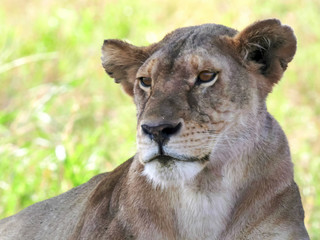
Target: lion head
(200,93)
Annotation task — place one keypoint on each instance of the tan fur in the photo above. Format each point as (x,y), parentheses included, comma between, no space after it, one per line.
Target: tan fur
(211,162)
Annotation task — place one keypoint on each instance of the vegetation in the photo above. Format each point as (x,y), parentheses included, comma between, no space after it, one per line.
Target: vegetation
(62,120)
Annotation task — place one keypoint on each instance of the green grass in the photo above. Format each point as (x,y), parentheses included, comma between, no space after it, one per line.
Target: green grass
(62,120)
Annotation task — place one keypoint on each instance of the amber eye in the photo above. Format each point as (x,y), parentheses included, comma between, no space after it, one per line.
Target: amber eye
(145,81)
(206,76)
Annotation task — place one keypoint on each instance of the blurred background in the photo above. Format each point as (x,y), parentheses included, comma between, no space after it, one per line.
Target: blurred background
(62,120)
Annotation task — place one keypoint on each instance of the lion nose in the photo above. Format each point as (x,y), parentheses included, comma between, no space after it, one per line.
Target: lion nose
(162,132)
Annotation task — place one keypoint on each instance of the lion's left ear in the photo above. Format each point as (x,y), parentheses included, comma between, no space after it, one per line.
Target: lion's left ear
(267,45)
(121,61)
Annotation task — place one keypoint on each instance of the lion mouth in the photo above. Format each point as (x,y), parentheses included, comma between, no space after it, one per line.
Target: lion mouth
(166,159)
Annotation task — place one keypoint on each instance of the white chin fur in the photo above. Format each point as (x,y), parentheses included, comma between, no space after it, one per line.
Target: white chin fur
(174,173)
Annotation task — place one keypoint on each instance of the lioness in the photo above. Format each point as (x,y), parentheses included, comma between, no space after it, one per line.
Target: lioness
(211,162)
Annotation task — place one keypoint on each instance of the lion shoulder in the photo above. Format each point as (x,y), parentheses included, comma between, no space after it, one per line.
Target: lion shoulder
(57,215)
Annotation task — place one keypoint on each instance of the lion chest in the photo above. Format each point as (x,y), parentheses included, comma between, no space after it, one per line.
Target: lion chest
(202,215)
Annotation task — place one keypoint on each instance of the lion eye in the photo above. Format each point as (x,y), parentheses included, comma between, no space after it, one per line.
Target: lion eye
(206,76)
(145,81)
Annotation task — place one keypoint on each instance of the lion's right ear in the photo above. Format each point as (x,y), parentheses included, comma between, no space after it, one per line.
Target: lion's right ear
(121,61)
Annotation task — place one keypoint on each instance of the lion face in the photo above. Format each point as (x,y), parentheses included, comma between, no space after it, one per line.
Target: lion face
(198,93)
(184,104)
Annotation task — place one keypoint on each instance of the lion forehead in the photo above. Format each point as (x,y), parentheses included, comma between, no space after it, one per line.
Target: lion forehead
(197,33)
(188,50)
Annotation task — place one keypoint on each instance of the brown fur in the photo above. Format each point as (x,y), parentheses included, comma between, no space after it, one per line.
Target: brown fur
(212,163)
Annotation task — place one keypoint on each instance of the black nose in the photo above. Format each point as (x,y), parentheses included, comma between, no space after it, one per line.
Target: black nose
(162,132)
